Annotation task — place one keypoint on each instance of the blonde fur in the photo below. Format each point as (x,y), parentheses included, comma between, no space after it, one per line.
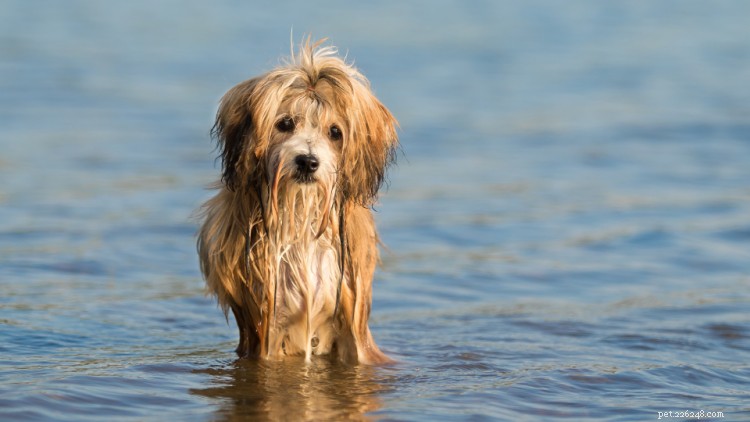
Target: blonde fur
(272,247)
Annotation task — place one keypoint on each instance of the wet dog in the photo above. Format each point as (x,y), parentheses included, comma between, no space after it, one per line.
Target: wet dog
(288,243)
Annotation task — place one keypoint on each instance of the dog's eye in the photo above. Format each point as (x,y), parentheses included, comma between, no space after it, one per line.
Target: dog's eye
(286,124)
(336,133)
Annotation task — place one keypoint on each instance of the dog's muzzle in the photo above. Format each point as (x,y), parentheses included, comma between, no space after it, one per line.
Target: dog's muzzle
(307,164)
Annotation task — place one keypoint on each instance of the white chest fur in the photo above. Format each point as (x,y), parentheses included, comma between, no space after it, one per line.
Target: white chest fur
(308,278)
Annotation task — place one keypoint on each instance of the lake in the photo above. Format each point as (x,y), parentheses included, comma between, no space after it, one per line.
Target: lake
(567,231)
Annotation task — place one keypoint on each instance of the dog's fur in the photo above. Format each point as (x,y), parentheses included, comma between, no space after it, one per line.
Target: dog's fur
(292,253)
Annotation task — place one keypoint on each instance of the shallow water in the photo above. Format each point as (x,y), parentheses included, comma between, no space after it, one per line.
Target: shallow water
(567,228)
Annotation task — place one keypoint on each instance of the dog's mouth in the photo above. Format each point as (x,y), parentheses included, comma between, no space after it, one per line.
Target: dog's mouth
(304,178)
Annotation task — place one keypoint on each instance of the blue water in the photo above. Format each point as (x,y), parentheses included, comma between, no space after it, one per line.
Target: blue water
(567,229)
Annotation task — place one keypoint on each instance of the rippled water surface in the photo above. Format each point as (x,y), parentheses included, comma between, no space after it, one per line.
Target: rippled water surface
(567,230)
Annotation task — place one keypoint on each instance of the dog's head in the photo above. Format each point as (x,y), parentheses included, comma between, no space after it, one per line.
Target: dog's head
(310,122)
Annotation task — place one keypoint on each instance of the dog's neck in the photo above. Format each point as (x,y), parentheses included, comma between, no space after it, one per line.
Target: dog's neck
(299,214)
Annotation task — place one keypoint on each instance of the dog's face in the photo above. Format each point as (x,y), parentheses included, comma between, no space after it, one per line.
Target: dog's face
(305,149)
(313,122)
(306,141)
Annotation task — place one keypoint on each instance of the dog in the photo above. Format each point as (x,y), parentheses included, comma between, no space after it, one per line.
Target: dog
(288,243)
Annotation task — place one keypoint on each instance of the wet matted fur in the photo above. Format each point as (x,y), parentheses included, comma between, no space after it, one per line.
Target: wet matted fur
(288,243)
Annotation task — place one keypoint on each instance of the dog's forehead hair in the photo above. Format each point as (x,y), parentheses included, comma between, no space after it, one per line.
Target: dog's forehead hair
(310,105)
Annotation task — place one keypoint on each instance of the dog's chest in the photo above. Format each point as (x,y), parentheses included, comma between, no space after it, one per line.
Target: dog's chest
(309,279)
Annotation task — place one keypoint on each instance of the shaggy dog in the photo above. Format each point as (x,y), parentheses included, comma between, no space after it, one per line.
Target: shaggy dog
(289,243)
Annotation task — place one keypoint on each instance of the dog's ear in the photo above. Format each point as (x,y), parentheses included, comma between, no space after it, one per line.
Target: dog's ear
(233,131)
(370,148)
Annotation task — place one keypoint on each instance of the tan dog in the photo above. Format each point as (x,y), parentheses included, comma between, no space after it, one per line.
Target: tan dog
(289,243)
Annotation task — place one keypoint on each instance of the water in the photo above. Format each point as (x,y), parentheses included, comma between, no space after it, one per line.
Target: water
(567,228)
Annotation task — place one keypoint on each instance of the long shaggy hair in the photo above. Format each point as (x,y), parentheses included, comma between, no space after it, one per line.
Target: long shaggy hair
(289,244)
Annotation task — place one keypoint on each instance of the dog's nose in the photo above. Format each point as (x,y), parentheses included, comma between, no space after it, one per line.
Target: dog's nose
(307,164)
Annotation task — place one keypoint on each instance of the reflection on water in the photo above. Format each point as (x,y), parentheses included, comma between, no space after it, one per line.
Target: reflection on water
(294,390)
